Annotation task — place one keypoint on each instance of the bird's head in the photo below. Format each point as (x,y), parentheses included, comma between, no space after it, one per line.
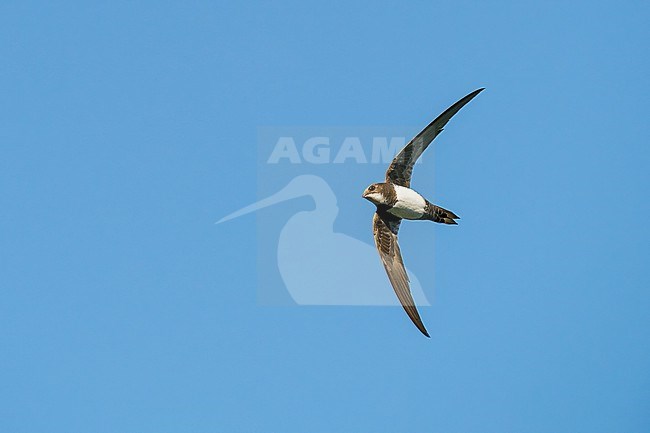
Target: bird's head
(377,194)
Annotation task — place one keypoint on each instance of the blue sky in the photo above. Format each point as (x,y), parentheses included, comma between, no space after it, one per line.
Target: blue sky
(129,129)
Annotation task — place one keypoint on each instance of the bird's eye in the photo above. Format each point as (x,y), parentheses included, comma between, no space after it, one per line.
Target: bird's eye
(372,188)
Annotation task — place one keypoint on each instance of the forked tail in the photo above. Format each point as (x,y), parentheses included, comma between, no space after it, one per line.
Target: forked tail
(439,215)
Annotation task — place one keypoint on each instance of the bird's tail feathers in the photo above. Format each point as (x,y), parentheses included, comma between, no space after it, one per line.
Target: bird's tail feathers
(440,215)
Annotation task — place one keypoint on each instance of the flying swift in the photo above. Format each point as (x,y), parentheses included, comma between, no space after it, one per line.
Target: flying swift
(395,201)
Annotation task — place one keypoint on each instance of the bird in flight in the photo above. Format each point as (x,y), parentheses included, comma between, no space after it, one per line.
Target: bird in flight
(395,201)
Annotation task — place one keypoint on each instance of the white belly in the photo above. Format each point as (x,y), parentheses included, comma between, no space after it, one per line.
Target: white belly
(410,204)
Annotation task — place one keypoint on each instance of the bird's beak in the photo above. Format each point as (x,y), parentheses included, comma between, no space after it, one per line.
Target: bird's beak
(287,193)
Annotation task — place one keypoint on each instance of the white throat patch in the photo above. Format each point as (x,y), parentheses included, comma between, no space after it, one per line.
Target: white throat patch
(376,198)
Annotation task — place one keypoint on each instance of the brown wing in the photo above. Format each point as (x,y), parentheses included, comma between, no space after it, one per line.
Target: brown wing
(401,169)
(385,227)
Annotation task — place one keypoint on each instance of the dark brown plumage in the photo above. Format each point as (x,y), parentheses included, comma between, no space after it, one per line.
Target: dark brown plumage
(385,227)
(439,215)
(400,170)
(386,224)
